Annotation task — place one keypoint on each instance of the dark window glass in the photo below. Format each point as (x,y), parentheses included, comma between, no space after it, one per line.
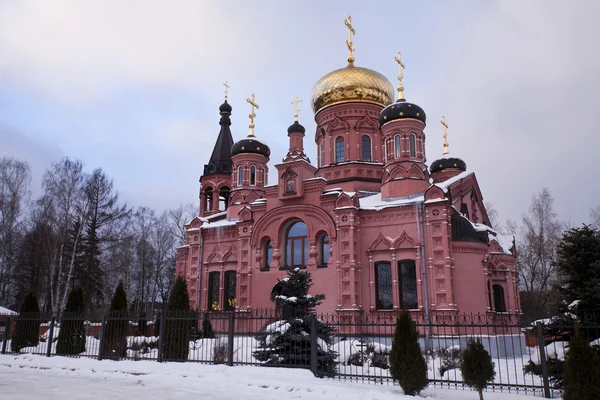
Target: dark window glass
(407,275)
(253,175)
(383,280)
(339,150)
(499,304)
(412,144)
(397,146)
(366,148)
(229,290)
(240,176)
(267,253)
(297,245)
(214,281)
(324,250)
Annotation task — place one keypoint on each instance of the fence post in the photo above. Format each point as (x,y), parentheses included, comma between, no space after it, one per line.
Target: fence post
(102,330)
(230,340)
(50,337)
(6,333)
(544,365)
(313,344)
(161,335)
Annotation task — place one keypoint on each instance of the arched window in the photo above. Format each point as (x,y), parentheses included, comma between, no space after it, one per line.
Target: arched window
(229,290)
(224,198)
(296,245)
(324,250)
(339,150)
(214,281)
(208,195)
(267,251)
(499,304)
(383,286)
(240,176)
(366,148)
(407,275)
(412,145)
(252,175)
(397,146)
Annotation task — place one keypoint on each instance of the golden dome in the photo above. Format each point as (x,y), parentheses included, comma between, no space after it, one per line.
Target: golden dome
(351,84)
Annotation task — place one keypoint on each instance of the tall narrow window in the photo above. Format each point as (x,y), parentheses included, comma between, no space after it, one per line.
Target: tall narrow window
(240,176)
(324,250)
(366,148)
(296,245)
(229,290)
(397,146)
(383,286)
(499,304)
(339,150)
(321,153)
(224,198)
(407,275)
(252,175)
(264,176)
(412,145)
(267,251)
(208,195)
(214,281)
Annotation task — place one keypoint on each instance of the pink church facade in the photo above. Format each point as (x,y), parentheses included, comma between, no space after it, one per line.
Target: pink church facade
(378,228)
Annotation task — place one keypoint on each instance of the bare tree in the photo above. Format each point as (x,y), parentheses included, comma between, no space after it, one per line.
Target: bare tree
(536,250)
(595,217)
(180,216)
(15,181)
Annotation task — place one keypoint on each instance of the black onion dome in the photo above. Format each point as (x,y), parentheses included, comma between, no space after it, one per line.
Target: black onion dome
(401,109)
(296,127)
(250,145)
(448,163)
(225,108)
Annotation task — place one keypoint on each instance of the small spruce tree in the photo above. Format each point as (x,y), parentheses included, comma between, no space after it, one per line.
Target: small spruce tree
(179,321)
(407,364)
(287,342)
(115,333)
(207,330)
(27,326)
(71,338)
(477,367)
(581,377)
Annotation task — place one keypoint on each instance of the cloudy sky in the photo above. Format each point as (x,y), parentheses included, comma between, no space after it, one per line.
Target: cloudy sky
(134,87)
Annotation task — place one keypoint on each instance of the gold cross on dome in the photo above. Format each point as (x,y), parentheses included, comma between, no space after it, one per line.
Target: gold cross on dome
(226,89)
(296,108)
(401,66)
(445,124)
(349,43)
(252,115)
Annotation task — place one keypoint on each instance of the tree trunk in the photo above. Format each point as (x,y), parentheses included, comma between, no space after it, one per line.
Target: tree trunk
(480,394)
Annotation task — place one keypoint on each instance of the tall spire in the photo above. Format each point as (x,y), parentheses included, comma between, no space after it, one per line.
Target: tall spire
(220,160)
(349,42)
(445,125)
(252,115)
(401,66)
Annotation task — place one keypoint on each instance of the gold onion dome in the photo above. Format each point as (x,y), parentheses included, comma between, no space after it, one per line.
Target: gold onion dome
(351,85)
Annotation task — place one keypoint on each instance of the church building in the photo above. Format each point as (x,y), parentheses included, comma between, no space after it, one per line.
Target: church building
(379,229)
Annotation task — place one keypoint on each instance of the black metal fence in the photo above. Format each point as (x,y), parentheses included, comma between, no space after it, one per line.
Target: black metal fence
(526,360)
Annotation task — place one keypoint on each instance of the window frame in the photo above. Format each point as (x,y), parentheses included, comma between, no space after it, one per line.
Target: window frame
(397,146)
(240,177)
(340,151)
(499,307)
(252,175)
(369,157)
(412,145)
(324,253)
(228,290)
(211,298)
(401,284)
(378,301)
(290,246)
(267,247)
(209,195)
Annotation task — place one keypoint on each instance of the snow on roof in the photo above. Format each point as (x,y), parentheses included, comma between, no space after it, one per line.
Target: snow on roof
(6,311)
(506,242)
(218,224)
(220,214)
(376,202)
(446,184)
(316,178)
(259,202)
(192,229)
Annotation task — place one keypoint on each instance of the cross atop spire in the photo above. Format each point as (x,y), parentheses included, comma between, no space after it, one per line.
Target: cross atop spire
(445,125)
(226,89)
(349,43)
(252,115)
(296,108)
(401,66)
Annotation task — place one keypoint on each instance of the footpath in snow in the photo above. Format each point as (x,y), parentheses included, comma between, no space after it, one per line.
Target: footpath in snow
(29,377)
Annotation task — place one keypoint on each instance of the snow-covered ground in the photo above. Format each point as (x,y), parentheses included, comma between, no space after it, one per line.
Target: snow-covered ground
(29,376)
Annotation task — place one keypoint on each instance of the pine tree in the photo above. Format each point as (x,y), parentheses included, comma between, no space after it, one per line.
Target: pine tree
(27,326)
(71,339)
(288,341)
(581,377)
(179,321)
(115,334)
(477,367)
(407,364)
